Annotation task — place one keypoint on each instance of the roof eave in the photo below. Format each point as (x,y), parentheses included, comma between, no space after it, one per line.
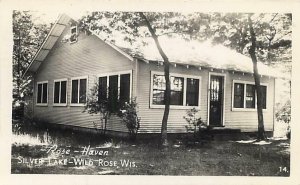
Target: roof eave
(43,44)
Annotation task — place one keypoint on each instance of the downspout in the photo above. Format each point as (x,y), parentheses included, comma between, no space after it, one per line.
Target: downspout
(136,77)
(274,106)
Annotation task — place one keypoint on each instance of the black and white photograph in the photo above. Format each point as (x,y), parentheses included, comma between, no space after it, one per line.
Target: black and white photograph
(151,93)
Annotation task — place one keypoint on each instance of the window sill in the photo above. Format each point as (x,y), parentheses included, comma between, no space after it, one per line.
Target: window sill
(77,104)
(174,107)
(245,110)
(59,105)
(42,105)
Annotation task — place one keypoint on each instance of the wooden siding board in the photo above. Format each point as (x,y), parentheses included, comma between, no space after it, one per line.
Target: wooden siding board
(87,57)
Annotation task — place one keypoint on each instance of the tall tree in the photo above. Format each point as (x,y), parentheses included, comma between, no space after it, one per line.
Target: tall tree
(27,36)
(261,129)
(266,37)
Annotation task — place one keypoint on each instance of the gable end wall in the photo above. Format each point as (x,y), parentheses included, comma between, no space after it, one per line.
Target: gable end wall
(89,56)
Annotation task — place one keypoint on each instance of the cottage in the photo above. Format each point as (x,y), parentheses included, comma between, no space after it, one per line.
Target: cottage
(215,80)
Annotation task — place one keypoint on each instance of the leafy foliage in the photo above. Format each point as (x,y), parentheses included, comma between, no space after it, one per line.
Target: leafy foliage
(284,113)
(27,37)
(195,123)
(95,105)
(273,34)
(130,118)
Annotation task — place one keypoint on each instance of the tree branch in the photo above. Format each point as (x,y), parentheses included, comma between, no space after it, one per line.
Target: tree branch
(283,36)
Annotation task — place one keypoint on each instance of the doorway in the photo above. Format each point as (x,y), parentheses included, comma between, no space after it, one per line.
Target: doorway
(216,100)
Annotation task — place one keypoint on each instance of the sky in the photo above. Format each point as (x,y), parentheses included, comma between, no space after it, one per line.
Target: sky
(47,17)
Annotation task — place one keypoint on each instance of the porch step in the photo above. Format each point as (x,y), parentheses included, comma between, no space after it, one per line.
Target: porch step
(223,130)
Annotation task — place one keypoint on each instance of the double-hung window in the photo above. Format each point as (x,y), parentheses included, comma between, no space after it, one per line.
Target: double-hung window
(42,93)
(115,88)
(79,89)
(60,92)
(245,97)
(184,90)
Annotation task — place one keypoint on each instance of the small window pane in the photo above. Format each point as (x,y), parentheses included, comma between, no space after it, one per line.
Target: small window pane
(192,92)
(238,99)
(45,93)
(63,98)
(250,96)
(39,94)
(158,97)
(56,92)
(176,98)
(74,91)
(159,82)
(82,91)
(176,90)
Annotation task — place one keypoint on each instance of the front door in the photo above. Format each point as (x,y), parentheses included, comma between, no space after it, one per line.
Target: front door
(216,100)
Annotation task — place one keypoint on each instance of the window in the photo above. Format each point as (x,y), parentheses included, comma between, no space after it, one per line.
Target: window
(73,37)
(159,86)
(78,95)
(192,92)
(113,93)
(238,95)
(184,90)
(60,92)
(115,88)
(124,88)
(42,93)
(244,95)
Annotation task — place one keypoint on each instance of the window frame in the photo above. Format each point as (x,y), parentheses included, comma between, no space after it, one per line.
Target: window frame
(244,103)
(87,85)
(119,73)
(184,76)
(59,98)
(42,82)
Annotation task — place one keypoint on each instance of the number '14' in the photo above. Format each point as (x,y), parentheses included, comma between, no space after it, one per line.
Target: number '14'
(283,169)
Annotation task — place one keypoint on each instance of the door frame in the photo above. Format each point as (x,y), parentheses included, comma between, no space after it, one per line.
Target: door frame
(223,98)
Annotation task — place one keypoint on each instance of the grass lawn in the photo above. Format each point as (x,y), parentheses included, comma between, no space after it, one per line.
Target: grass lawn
(213,158)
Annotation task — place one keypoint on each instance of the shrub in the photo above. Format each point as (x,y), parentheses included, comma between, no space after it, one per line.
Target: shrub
(130,118)
(94,105)
(195,123)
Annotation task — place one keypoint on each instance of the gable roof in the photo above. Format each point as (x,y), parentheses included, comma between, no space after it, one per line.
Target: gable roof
(179,51)
(199,54)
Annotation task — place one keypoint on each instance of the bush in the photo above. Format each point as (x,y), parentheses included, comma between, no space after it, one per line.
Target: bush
(130,118)
(195,124)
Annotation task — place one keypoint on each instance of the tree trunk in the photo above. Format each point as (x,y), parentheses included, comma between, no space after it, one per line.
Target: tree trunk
(261,130)
(19,68)
(167,95)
